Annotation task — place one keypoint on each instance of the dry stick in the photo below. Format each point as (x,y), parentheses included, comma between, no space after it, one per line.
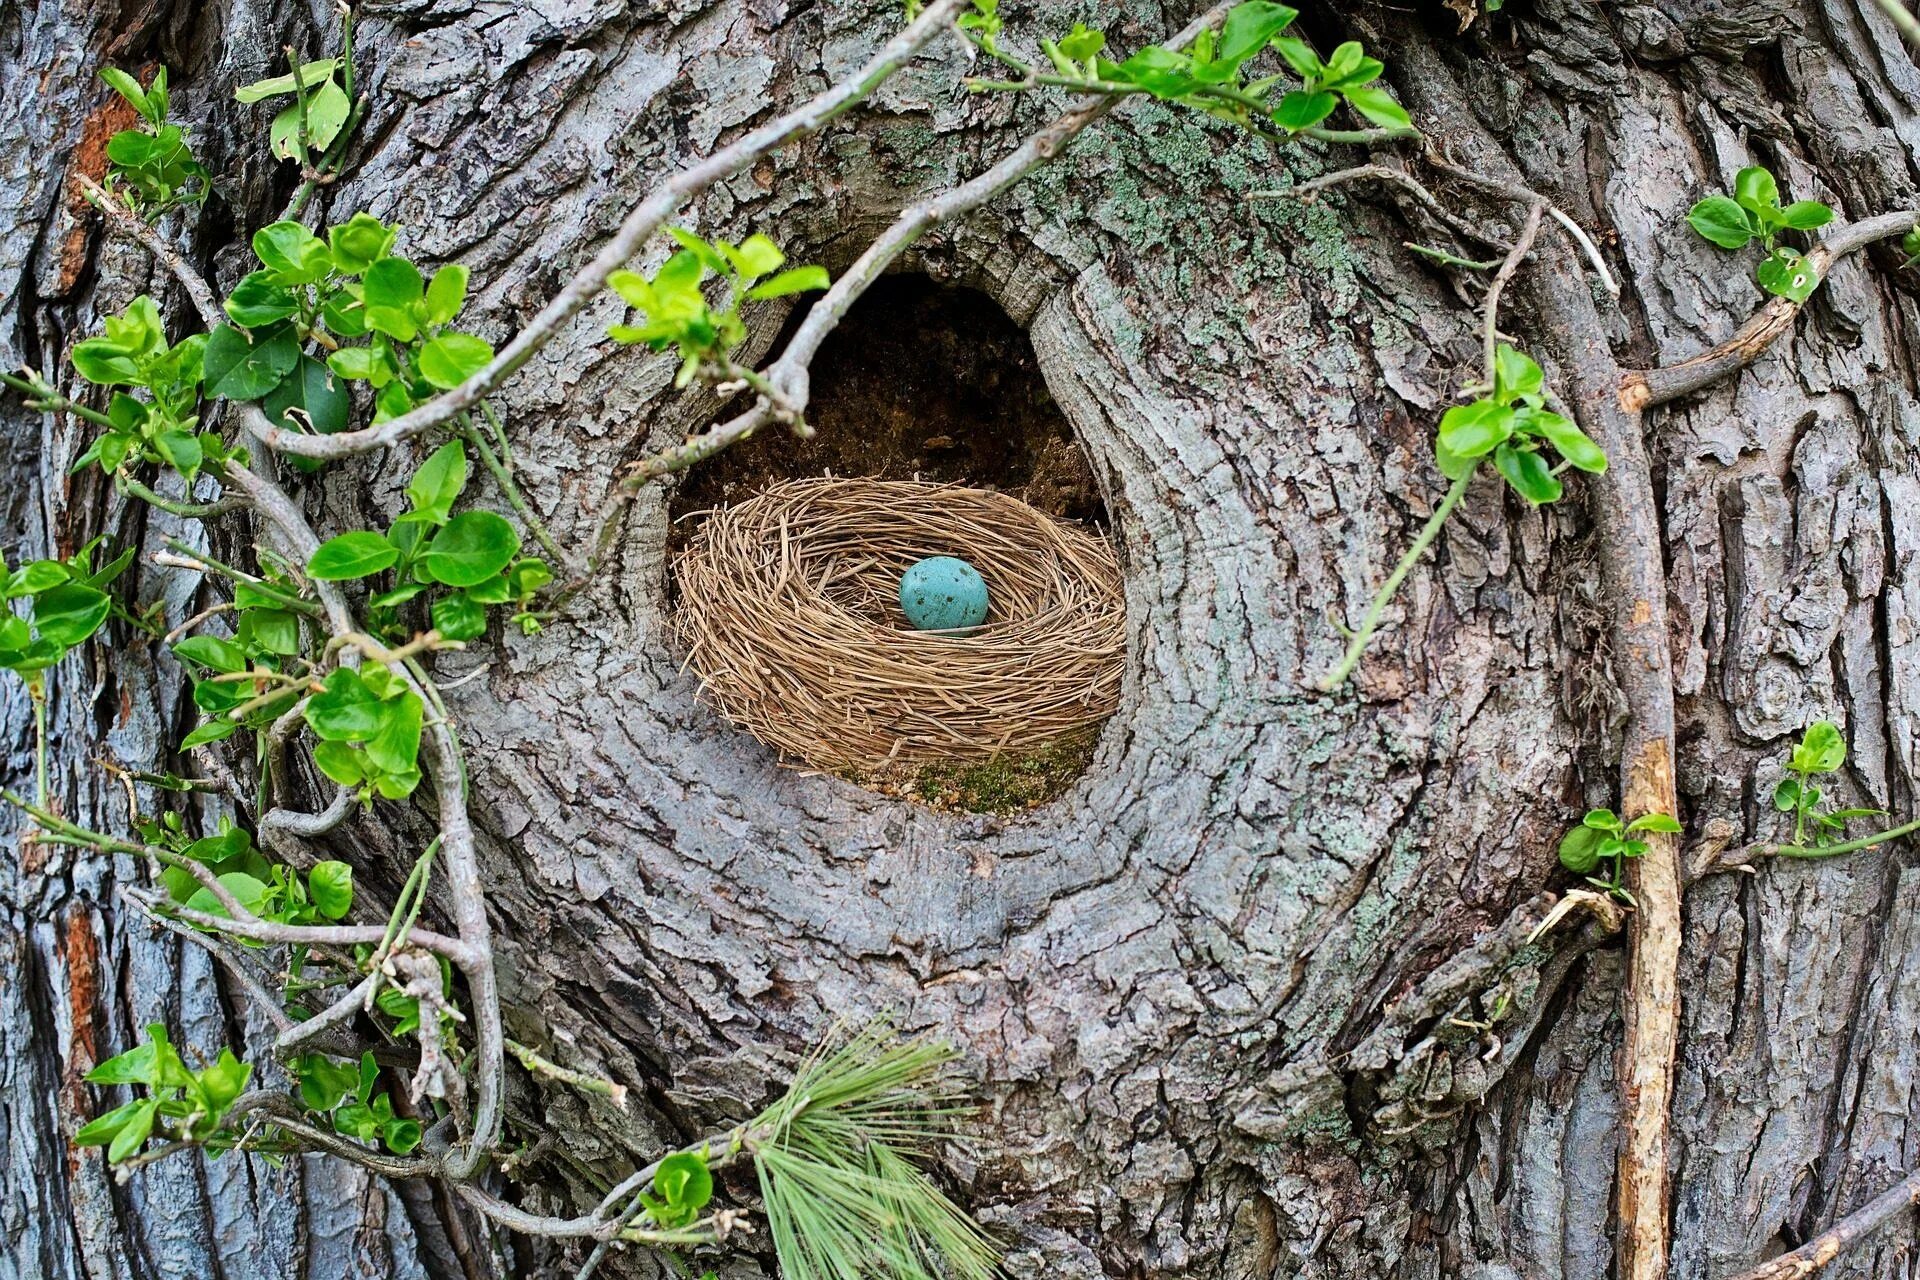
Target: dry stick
(646,218)
(1400,178)
(1627,518)
(1645,389)
(1529,232)
(1828,1245)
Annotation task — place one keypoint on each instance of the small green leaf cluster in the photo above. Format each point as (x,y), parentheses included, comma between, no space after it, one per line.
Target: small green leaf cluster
(69,603)
(1511,422)
(328,292)
(317,94)
(675,309)
(271,892)
(1753,212)
(1822,749)
(343,1093)
(1602,837)
(161,428)
(1210,75)
(368,721)
(152,166)
(182,1104)
(1348,74)
(265,641)
(682,1187)
(475,553)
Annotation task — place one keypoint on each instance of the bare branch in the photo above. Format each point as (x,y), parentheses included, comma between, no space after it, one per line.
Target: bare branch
(1830,1244)
(1645,389)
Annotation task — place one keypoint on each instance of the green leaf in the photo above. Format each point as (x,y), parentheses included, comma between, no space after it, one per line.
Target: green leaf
(1806,215)
(1785,274)
(1580,850)
(330,885)
(249,891)
(127,87)
(472,547)
(792,280)
(294,254)
(1302,110)
(1299,55)
(36,576)
(1081,44)
(359,242)
(213,653)
(1248,28)
(259,300)
(69,613)
(439,481)
(1567,439)
(311,398)
(401,1135)
(340,762)
(358,554)
(134,1131)
(1822,749)
(756,256)
(1515,375)
(224,1081)
(345,710)
(1473,430)
(327,111)
(135,1066)
(389,289)
(447,294)
(1161,72)
(1528,473)
(311,74)
(101,361)
(1786,796)
(684,1185)
(239,370)
(180,449)
(1755,190)
(210,731)
(102,1129)
(1378,106)
(459,616)
(452,358)
(1664,823)
(357,363)
(396,747)
(1721,221)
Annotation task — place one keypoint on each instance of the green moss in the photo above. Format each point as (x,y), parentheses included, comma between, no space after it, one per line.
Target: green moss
(1006,783)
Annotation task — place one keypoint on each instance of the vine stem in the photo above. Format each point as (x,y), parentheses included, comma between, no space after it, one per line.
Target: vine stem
(1816,852)
(1490,337)
(1371,622)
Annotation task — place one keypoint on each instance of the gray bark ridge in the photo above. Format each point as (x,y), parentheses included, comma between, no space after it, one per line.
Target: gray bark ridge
(1221,1000)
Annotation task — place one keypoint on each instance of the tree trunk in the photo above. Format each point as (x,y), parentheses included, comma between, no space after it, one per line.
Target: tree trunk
(1227,1000)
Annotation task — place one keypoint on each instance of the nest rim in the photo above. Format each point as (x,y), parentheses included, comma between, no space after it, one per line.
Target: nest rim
(789,611)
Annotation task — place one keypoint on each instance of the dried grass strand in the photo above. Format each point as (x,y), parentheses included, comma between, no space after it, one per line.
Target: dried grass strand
(790,613)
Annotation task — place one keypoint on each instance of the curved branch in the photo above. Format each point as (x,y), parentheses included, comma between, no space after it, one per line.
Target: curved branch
(1828,1245)
(1643,389)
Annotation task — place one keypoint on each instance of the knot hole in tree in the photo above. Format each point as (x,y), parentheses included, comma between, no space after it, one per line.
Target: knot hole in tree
(790,600)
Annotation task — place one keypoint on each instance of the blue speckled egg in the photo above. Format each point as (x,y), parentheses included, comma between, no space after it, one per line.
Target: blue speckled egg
(941,593)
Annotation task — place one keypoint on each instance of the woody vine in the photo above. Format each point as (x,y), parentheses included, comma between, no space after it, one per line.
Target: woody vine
(325,646)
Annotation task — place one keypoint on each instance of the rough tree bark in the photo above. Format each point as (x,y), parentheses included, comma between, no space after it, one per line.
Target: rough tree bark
(1216,996)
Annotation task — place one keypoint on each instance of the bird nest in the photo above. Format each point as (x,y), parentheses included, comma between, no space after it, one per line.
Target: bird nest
(790,610)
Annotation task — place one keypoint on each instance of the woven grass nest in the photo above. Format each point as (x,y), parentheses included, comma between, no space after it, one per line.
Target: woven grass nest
(789,607)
